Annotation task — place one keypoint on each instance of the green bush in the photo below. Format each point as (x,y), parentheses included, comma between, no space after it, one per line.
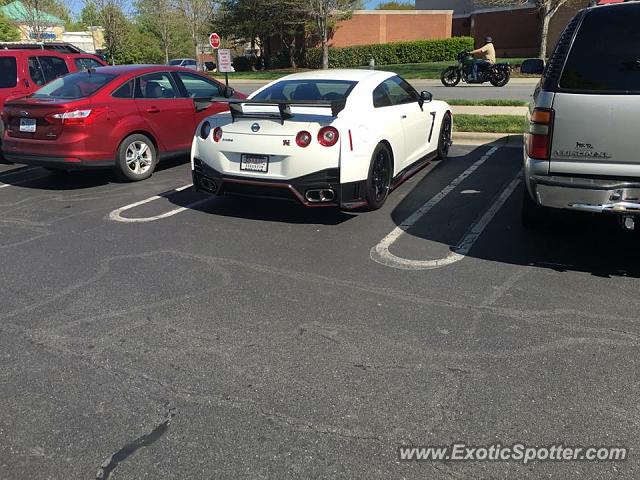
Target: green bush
(420,51)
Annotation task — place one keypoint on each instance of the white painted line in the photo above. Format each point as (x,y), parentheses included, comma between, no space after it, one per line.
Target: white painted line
(117,217)
(381,254)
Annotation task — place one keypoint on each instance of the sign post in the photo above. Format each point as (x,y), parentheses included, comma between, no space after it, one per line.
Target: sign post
(224,63)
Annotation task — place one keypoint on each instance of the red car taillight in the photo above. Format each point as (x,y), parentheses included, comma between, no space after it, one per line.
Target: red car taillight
(79,117)
(217,134)
(539,135)
(328,136)
(303,139)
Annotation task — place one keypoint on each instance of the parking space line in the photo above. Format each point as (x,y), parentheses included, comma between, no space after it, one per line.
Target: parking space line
(381,254)
(116,216)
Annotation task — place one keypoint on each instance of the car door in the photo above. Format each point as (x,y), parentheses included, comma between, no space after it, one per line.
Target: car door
(169,114)
(415,120)
(198,87)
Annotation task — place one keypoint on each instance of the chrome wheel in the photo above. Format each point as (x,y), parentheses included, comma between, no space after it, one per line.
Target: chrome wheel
(138,157)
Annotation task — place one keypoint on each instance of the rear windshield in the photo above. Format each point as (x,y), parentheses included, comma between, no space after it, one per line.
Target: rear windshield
(76,85)
(8,72)
(605,57)
(307,90)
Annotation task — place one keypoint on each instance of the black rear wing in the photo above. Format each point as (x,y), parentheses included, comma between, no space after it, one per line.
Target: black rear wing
(284,107)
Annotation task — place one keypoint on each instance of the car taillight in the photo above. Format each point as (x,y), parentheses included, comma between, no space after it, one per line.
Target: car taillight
(539,135)
(75,117)
(303,139)
(217,134)
(205,130)
(328,136)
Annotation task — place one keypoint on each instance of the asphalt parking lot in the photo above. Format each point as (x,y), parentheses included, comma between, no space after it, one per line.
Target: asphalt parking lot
(148,331)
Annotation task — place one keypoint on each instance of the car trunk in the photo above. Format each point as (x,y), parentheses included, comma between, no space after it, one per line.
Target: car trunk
(591,134)
(29,114)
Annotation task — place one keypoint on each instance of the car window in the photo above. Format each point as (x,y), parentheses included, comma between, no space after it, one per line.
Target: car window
(307,90)
(76,85)
(35,71)
(175,62)
(381,96)
(125,91)
(155,85)
(398,91)
(52,67)
(605,56)
(86,63)
(199,87)
(8,72)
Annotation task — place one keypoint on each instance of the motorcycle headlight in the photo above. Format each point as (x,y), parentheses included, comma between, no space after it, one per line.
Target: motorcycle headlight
(205,130)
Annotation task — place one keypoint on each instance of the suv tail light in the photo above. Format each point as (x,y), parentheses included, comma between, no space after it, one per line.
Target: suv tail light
(539,135)
(328,136)
(78,117)
(303,139)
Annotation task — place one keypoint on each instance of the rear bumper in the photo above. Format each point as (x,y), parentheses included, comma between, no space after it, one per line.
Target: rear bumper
(586,194)
(63,163)
(301,189)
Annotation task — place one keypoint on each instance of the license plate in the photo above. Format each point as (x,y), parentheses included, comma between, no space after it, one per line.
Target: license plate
(28,125)
(254,163)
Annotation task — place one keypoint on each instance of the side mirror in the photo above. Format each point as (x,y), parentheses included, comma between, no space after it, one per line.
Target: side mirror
(532,66)
(425,97)
(228,92)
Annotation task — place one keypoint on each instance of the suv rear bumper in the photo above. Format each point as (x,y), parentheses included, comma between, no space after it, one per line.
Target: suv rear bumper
(586,194)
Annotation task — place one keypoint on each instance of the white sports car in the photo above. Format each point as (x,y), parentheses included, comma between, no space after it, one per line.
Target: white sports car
(339,138)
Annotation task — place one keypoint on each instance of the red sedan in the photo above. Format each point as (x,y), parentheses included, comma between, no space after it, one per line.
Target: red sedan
(127,117)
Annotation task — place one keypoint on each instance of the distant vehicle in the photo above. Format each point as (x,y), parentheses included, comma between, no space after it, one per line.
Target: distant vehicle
(332,138)
(209,66)
(24,68)
(125,117)
(497,74)
(184,62)
(580,151)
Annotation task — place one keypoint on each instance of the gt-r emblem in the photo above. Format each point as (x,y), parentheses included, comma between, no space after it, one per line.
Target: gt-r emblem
(286,143)
(255,127)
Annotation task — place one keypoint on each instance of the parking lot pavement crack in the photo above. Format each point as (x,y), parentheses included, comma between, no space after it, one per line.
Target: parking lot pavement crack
(142,441)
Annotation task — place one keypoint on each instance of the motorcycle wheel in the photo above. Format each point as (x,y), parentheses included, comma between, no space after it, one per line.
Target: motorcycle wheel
(499,78)
(450,77)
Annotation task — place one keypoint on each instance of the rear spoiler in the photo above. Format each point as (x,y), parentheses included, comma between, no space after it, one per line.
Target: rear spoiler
(284,107)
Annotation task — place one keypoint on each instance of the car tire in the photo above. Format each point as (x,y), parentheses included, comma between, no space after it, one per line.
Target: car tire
(137,158)
(450,77)
(379,178)
(444,140)
(533,216)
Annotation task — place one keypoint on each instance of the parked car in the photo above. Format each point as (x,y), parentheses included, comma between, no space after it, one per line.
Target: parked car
(335,138)
(127,117)
(184,62)
(580,151)
(25,70)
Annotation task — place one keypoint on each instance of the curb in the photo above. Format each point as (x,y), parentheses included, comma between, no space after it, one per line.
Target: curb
(483,138)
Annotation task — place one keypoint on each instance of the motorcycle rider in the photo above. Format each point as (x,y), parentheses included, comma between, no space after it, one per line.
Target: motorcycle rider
(489,57)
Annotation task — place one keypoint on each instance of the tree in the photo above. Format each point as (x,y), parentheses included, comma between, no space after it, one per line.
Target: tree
(197,14)
(115,24)
(324,15)
(8,31)
(160,18)
(547,8)
(396,6)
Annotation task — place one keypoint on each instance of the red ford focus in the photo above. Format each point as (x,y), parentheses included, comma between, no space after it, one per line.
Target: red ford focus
(127,117)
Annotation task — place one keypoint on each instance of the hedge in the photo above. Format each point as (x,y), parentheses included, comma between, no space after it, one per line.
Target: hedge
(421,51)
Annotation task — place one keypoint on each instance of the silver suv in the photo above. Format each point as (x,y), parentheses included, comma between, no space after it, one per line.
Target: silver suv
(581,149)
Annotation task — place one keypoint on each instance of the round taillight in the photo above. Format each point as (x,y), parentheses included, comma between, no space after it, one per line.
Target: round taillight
(205,130)
(303,139)
(217,134)
(328,136)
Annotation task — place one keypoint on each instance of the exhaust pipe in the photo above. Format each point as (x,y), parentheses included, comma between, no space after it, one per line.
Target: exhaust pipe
(628,222)
(209,185)
(320,195)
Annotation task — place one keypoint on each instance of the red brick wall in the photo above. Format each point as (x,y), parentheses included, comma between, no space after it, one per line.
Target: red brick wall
(373,27)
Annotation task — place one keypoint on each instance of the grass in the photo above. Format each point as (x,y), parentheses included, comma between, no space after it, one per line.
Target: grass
(489,123)
(430,70)
(487,103)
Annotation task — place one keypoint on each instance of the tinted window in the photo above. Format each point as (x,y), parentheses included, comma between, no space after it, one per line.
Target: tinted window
(125,91)
(381,96)
(155,85)
(8,72)
(605,56)
(76,85)
(35,72)
(199,87)
(86,63)
(400,91)
(307,90)
(52,67)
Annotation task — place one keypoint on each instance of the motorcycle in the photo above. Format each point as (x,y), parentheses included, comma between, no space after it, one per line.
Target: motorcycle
(498,73)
